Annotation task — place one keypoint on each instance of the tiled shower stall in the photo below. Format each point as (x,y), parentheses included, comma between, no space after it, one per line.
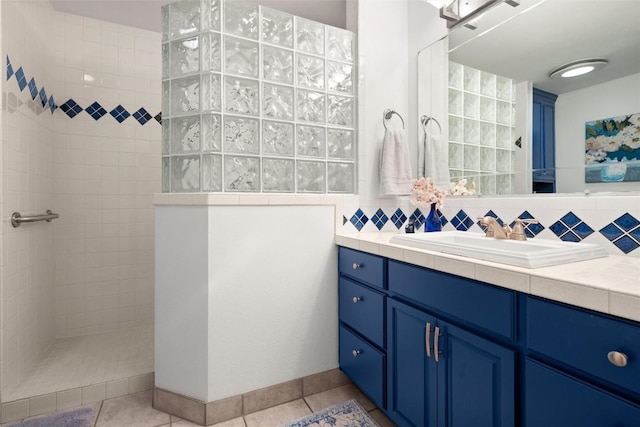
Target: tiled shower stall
(79,137)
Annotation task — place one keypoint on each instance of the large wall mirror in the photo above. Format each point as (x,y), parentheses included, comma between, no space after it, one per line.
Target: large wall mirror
(488,73)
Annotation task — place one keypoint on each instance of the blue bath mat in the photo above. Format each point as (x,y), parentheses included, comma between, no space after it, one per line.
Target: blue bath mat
(347,414)
(81,417)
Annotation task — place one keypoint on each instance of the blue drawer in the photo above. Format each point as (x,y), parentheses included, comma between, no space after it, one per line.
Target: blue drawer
(366,268)
(583,339)
(556,399)
(363,310)
(481,305)
(364,364)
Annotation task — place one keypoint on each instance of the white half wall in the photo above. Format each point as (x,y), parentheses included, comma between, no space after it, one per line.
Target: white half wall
(246,297)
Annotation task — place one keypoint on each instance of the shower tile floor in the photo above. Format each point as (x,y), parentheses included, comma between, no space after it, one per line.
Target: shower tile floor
(91,359)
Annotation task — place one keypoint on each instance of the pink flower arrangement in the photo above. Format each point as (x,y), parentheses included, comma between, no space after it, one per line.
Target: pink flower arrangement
(426,192)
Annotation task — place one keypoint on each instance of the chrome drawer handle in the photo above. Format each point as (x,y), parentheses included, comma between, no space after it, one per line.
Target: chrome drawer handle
(427,338)
(356,299)
(436,341)
(355,353)
(356,266)
(617,359)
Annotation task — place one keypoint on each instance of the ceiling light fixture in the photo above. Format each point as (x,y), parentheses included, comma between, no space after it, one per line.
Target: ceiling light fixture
(439,4)
(578,68)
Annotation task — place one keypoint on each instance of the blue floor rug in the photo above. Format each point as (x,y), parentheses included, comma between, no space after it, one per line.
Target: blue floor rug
(347,414)
(81,417)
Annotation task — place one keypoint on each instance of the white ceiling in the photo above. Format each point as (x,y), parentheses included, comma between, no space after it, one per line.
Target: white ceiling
(551,34)
(145,14)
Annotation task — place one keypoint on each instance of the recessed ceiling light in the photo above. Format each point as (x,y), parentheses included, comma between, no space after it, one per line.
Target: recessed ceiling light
(578,68)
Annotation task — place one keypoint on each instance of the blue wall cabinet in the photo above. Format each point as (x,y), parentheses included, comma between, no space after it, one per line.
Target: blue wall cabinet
(441,375)
(543,144)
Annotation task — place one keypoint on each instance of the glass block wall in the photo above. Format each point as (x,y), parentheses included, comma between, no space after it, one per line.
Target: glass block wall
(255,100)
(481,129)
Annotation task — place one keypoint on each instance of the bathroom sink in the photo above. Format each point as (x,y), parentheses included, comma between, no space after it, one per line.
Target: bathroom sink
(532,253)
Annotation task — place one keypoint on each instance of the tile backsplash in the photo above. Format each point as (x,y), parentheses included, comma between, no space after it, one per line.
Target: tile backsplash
(613,221)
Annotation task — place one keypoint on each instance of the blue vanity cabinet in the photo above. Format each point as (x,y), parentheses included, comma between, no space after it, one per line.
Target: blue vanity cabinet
(440,374)
(543,144)
(583,368)
(362,337)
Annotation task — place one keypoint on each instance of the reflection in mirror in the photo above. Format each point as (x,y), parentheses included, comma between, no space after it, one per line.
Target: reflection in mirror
(548,127)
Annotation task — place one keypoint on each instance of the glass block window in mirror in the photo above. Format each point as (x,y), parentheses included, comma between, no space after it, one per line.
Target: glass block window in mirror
(259,100)
(481,129)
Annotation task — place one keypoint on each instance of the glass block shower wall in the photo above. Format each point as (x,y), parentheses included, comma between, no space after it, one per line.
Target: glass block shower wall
(481,129)
(255,100)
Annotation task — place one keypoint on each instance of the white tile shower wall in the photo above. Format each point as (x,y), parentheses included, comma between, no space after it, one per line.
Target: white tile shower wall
(105,175)
(27,284)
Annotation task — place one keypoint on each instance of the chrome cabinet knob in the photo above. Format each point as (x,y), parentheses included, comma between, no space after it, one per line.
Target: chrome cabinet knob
(617,359)
(355,353)
(356,299)
(355,266)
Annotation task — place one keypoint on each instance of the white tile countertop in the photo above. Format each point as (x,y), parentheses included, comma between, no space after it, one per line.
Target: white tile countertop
(608,285)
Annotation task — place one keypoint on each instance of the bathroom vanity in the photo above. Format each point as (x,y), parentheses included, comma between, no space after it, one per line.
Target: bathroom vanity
(441,340)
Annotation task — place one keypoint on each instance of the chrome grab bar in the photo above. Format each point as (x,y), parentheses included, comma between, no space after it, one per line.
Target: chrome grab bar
(17,219)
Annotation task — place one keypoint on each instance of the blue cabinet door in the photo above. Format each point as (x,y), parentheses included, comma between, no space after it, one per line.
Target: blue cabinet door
(453,380)
(476,378)
(412,377)
(556,399)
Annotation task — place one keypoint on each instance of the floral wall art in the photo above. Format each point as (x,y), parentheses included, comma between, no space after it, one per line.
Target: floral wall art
(612,149)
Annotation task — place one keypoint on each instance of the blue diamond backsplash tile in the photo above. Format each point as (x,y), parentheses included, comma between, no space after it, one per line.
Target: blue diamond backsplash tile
(310,177)
(277,138)
(185,174)
(242,173)
(379,219)
(95,110)
(398,218)
(241,19)
(241,57)
(241,135)
(359,219)
(624,233)
(340,177)
(277,175)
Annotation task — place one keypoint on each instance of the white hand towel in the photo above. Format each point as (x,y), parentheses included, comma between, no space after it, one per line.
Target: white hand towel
(436,160)
(396,178)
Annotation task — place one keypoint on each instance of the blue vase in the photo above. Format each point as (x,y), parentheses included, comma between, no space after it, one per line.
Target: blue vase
(432,223)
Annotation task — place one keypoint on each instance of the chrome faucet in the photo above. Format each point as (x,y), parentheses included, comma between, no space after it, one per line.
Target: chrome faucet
(505,232)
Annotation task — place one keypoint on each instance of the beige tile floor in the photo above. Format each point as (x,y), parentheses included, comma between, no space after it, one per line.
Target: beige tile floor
(135,410)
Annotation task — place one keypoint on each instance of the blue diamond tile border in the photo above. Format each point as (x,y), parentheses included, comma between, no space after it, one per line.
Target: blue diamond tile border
(359,219)
(461,221)
(623,232)
(71,108)
(398,218)
(418,218)
(379,219)
(570,228)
